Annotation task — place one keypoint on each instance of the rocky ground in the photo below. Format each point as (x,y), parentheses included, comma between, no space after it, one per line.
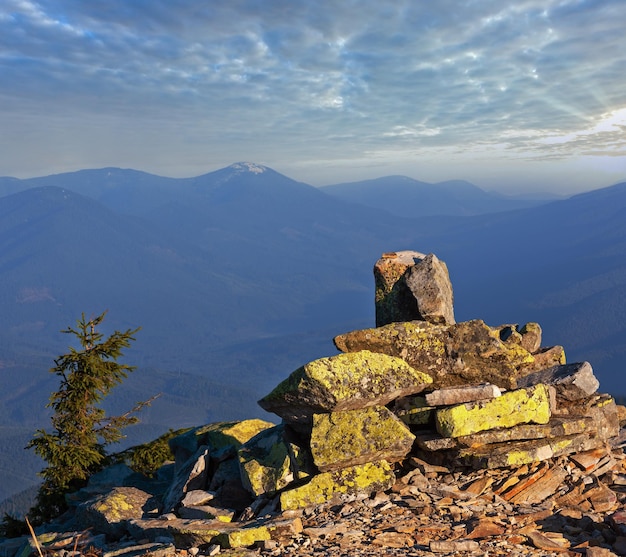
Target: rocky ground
(571,505)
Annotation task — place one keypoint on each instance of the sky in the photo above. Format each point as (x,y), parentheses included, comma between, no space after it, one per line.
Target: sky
(514,96)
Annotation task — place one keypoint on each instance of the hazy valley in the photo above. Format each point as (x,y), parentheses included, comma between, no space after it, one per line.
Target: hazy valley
(239,276)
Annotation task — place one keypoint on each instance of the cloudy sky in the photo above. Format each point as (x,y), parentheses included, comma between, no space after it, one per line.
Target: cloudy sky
(520,95)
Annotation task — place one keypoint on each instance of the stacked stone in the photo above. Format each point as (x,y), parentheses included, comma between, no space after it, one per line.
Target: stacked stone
(466,393)
(337,406)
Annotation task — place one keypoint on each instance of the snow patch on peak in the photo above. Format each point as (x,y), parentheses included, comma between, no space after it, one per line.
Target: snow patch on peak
(254,168)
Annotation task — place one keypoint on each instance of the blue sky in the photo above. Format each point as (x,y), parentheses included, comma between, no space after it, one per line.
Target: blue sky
(514,96)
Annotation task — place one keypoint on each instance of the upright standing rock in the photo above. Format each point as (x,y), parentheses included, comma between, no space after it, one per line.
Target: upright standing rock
(412,286)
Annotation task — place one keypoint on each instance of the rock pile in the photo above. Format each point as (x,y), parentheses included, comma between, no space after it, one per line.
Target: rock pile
(423,436)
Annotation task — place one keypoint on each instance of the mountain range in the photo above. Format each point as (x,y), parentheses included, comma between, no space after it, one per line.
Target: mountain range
(239,276)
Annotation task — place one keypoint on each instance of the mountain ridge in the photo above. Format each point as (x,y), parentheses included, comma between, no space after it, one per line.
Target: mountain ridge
(238,292)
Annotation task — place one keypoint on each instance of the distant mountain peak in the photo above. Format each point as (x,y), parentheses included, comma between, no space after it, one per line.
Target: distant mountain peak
(241,167)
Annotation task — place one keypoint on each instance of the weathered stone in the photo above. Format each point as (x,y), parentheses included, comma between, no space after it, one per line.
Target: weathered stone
(601,409)
(545,543)
(341,485)
(538,487)
(266,461)
(453,546)
(453,355)
(192,475)
(151,549)
(343,439)
(571,381)
(195,534)
(227,471)
(343,382)
(556,427)
(109,513)
(545,358)
(411,285)
(602,498)
(429,282)
(206,512)
(484,528)
(515,454)
(218,437)
(432,441)
(530,405)
(531,337)
(413,410)
(243,537)
(459,395)
(197,497)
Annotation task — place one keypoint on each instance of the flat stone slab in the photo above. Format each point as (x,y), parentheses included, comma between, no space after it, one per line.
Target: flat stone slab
(343,439)
(530,405)
(571,381)
(341,485)
(466,353)
(458,395)
(525,452)
(556,427)
(600,408)
(343,382)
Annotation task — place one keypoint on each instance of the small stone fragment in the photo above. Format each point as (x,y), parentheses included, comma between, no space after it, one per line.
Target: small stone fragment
(545,543)
(484,528)
(459,395)
(531,337)
(445,546)
(572,381)
(547,357)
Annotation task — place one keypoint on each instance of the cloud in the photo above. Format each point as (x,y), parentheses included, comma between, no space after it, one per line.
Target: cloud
(301,81)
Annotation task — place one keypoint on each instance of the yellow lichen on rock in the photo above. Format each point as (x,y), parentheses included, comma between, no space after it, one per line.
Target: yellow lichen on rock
(265,462)
(342,485)
(342,439)
(243,537)
(343,382)
(510,409)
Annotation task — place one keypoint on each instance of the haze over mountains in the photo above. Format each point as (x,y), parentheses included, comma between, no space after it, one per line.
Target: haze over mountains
(239,276)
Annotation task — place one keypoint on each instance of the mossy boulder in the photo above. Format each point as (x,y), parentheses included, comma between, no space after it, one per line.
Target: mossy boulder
(218,437)
(341,485)
(531,405)
(109,513)
(343,439)
(465,353)
(343,382)
(270,461)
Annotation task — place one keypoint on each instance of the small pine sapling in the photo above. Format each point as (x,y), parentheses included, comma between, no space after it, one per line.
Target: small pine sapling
(76,446)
